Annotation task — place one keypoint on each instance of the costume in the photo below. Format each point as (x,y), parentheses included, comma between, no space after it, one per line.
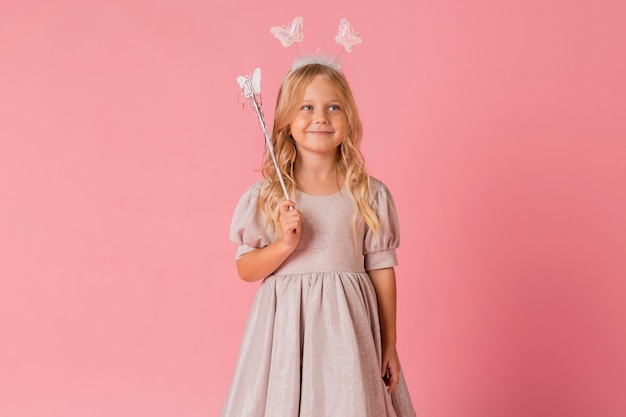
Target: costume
(312,344)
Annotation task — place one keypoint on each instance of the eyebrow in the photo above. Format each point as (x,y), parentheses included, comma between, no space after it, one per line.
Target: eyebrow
(328,102)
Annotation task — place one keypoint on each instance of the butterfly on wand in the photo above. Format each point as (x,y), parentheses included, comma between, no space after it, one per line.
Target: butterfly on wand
(250,84)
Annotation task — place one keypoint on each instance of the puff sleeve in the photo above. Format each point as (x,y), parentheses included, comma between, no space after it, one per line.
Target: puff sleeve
(247,228)
(379,249)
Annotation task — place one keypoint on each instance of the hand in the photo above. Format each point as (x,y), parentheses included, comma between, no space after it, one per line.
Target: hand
(290,224)
(390,371)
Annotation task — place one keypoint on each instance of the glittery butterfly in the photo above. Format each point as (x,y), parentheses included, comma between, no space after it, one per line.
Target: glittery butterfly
(346,36)
(250,85)
(290,33)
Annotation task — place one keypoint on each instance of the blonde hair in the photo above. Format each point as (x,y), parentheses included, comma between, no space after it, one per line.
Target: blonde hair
(350,162)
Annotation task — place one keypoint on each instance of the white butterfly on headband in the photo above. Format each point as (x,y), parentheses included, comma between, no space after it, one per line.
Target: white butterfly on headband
(346,36)
(290,33)
(250,84)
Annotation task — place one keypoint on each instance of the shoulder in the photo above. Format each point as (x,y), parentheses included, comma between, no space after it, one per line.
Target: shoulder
(255,188)
(258,186)
(375,184)
(250,196)
(380,195)
(377,187)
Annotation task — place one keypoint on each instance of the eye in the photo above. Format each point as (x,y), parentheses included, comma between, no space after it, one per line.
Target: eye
(334,108)
(306,107)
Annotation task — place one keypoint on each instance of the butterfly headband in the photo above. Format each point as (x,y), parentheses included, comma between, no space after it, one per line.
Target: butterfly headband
(292,34)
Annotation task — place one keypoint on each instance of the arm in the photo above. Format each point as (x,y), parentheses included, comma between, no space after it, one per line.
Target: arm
(260,263)
(384,281)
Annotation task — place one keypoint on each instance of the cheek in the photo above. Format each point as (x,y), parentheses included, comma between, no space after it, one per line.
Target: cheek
(297,124)
(342,125)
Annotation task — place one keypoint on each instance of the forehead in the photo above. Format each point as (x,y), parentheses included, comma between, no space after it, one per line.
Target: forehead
(321,88)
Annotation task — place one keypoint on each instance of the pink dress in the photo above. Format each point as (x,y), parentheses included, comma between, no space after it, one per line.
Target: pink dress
(312,344)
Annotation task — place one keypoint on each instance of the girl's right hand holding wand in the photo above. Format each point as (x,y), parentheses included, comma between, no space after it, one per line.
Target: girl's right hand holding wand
(260,263)
(290,224)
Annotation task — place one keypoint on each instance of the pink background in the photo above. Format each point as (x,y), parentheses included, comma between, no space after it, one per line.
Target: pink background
(498,125)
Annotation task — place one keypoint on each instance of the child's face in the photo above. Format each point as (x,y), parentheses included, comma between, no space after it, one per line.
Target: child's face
(320,124)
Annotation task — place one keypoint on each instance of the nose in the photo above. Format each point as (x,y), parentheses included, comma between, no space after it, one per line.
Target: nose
(321,117)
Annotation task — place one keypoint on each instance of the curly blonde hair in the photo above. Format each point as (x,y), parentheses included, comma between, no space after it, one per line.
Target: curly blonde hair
(350,162)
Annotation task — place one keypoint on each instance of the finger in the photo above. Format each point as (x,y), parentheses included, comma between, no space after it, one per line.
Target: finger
(393,383)
(394,379)
(287,205)
(292,227)
(291,217)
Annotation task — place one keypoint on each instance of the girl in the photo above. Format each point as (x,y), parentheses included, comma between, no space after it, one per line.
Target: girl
(321,336)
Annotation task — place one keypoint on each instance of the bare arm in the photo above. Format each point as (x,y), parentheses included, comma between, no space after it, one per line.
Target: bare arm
(260,263)
(384,281)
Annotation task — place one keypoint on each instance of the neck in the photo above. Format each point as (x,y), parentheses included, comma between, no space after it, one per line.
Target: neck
(325,168)
(318,176)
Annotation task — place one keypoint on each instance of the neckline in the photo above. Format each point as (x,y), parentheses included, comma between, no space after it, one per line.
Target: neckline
(321,195)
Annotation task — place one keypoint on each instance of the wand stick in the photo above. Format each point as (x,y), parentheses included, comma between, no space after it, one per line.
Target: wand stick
(268,141)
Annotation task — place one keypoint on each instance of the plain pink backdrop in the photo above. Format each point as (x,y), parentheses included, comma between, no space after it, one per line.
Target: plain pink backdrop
(498,125)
